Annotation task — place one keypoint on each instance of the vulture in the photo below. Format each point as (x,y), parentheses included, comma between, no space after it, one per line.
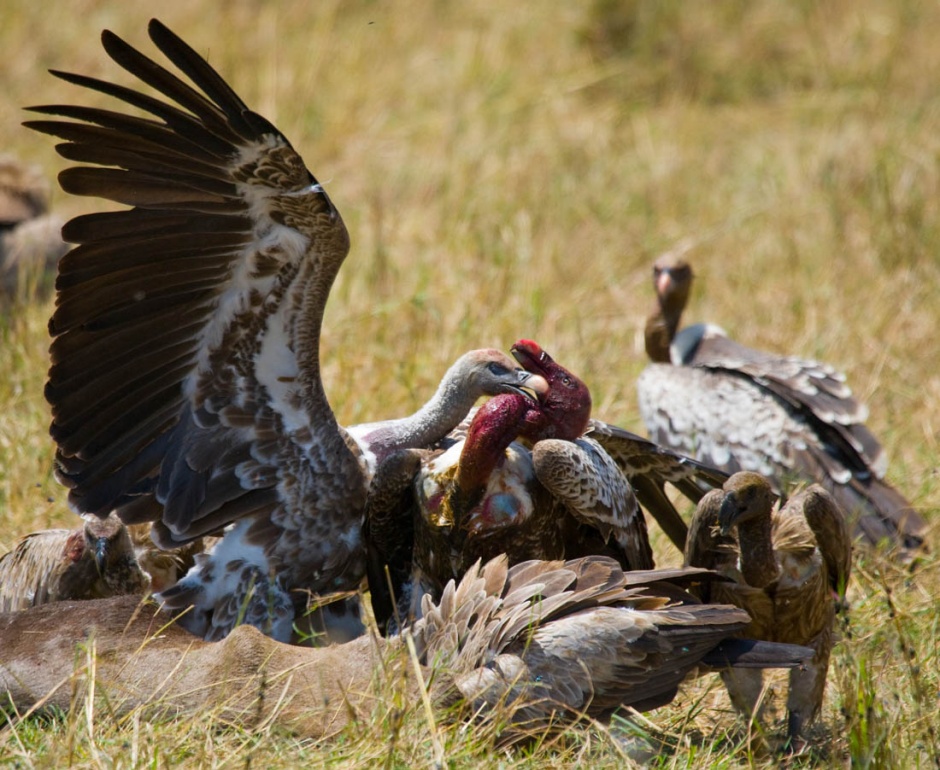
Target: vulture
(523,479)
(788,568)
(787,418)
(537,645)
(557,639)
(30,238)
(185,373)
(92,562)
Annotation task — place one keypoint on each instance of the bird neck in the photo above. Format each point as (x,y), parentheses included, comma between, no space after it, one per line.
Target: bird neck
(493,429)
(661,326)
(755,540)
(429,424)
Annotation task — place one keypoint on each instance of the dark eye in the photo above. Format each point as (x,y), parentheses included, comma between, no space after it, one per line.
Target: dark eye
(497,369)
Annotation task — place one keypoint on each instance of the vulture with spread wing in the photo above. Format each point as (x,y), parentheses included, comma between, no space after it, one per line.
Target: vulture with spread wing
(185,379)
(788,568)
(787,418)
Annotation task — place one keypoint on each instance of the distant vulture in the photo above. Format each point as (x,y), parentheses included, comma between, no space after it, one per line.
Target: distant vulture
(787,418)
(185,381)
(30,239)
(524,479)
(788,569)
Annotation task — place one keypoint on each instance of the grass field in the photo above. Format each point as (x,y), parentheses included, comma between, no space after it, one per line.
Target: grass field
(512,172)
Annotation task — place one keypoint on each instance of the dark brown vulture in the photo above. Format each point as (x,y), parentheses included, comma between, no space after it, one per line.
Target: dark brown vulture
(788,567)
(185,379)
(787,418)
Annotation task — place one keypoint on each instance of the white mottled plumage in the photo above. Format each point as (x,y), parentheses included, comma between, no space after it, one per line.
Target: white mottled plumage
(789,418)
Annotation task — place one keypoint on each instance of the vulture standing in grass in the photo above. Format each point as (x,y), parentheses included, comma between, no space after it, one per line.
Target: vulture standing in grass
(532,647)
(185,380)
(55,565)
(787,418)
(30,238)
(553,493)
(788,570)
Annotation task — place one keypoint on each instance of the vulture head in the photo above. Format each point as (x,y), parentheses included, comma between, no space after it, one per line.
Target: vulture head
(492,373)
(562,413)
(748,497)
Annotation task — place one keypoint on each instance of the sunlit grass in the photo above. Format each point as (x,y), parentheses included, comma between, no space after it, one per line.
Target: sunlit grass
(509,172)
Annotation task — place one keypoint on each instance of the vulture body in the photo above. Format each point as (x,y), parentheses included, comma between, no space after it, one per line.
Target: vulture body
(547,643)
(185,378)
(93,562)
(787,418)
(788,568)
(553,493)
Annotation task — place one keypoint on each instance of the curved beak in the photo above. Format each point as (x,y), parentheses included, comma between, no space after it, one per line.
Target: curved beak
(728,513)
(101,553)
(533,386)
(528,358)
(664,282)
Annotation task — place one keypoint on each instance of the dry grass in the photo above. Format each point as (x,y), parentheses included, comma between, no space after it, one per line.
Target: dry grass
(509,172)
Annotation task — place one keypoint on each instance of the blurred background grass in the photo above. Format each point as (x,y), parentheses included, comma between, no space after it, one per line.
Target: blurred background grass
(510,171)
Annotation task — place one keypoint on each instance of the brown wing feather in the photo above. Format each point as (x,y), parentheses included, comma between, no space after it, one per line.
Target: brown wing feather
(585,479)
(828,523)
(164,310)
(649,466)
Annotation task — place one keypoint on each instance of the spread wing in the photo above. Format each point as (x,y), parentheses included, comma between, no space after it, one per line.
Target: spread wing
(648,467)
(577,636)
(185,377)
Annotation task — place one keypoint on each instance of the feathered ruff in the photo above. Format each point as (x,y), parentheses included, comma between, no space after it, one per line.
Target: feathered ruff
(53,565)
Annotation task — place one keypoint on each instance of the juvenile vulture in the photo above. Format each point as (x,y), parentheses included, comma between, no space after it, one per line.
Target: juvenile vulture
(789,568)
(185,380)
(787,418)
(54,565)
(538,645)
(524,480)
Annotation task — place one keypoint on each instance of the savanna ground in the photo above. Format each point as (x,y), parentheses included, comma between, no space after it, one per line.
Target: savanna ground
(510,171)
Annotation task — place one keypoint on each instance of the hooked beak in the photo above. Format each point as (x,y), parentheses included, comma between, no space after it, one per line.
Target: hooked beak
(528,355)
(533,386)
(728,513)
(101,553)
(664,282)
